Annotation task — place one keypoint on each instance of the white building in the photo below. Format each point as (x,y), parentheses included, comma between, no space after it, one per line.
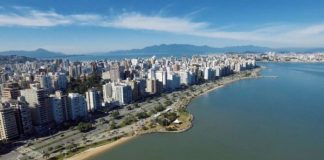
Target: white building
(173,81)
(218,71)
(134,61)
(237,67)
(151,74)
(45,81)
(60,81)
(184,78)
(105,75)
(93,100)
(123,94)
(57,109)
(208,75)
(38,101)
(77,106)
(162,77)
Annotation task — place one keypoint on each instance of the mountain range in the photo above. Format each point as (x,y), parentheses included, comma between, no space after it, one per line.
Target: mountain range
(183,49)
(10,59)
(38,53)
(169,49)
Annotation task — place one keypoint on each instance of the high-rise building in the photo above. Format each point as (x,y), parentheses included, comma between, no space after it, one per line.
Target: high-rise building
(38,101)
(150,86)
(218,71)
(64,103)
(4,77)
(123,94)
(93,100)
(105,75)
(153,86)
(192,78)
(173,81)
(23,116)
(162,77)
(107,92)
(60,81)
(57,108)
(134,86)
(208,75)
(184,78)
(151,74)
(237,67)
(141,87)
(175,67)
(75,70)
(77,106)
(8,124)
(10,91)
(115,72)
(45,81)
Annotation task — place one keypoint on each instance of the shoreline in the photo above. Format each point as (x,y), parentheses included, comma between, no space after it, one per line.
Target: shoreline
(92,152)
(100,149)
(292,62)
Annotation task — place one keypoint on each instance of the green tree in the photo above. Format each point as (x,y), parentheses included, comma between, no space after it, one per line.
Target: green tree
(115,114)
(171,116)
(167,118)
(113,125)
(159,108)
(58,147)
(167,103)
(103,120)
(142,115)
(84,127)
(82,85)
(50,149)
(129,120)
(137,105)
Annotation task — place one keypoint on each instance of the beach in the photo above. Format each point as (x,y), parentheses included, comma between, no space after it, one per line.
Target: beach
(97,150)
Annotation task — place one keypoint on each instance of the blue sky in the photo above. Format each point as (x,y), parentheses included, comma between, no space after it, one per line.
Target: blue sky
(83,26)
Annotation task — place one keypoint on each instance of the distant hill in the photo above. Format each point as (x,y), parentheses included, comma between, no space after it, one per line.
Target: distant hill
(167,50)
(186,49)
(39,53)
(299,50)
(246,49)
(15,59)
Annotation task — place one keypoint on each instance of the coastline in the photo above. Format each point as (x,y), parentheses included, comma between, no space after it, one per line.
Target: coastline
(92,152)
(100,149)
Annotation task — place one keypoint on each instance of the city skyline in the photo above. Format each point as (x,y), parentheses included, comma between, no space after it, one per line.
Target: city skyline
(82,27)
(167,79)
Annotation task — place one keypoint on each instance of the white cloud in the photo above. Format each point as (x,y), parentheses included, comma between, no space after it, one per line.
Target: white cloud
(156,23)
(33,18)
(276,34)
(272,35)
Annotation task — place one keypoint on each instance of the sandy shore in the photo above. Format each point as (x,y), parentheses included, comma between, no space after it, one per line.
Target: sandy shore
(97,150)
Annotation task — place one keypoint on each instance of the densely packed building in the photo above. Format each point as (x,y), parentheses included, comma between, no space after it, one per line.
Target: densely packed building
(291,57)
(36,96)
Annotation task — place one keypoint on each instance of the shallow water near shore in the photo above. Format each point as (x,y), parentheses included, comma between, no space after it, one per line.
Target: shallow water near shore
(267,118)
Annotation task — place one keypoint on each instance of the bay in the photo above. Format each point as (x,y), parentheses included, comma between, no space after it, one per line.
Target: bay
(267,119)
